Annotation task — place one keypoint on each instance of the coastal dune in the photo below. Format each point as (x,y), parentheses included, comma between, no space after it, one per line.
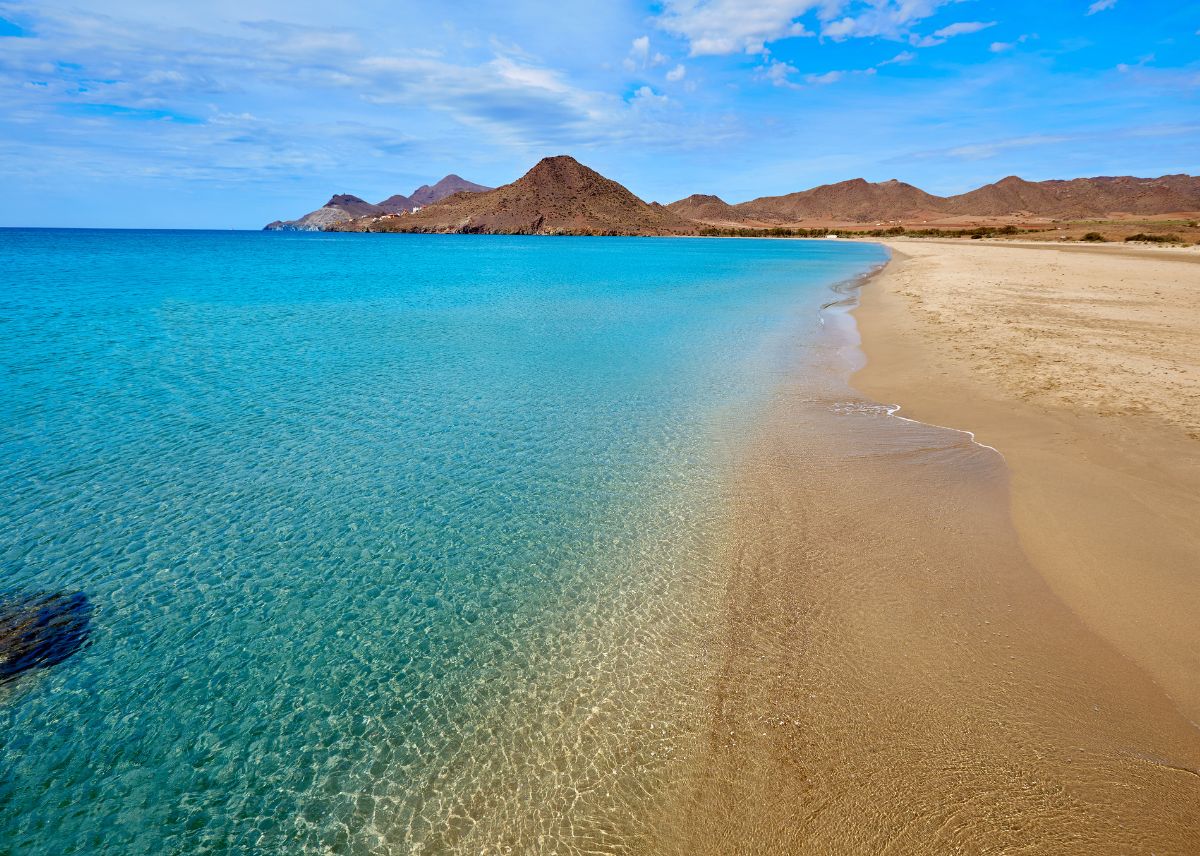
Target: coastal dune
(904,668)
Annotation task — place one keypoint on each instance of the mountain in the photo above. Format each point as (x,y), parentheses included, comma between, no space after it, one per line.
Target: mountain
(558,196)
(397,203)
(706,209)
(1081,197)
(339,209)
(344,207)
(862,201)
(448,186)
(352,205)
(856,200)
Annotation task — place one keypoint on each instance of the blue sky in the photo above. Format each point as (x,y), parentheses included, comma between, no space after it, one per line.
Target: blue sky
(133,113)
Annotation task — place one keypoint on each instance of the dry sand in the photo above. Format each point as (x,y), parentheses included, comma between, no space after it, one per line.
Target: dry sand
(1082,366)
(906,671)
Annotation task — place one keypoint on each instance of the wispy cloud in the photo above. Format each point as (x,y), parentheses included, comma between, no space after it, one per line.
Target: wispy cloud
(174,100)
(731,26)
(645,97)
(1100,6)
(120,74)
(640,57)
(988,149)
(940,37)
(778,73)
(982,151)
(890,19)
(10,29)
(716,27)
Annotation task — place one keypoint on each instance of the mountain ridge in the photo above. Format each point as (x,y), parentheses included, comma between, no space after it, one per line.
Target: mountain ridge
(343,207)
(559,195)
(858,200)
(448,186)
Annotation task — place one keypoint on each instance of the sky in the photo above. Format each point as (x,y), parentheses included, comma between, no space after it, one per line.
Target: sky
(224,114)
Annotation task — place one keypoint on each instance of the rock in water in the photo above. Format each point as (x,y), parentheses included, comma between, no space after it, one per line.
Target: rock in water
(41,629)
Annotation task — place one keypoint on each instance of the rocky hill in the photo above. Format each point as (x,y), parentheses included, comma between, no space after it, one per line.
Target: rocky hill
(1081,197)
(343,207)
(855,201)
(860,201)
(448,186)
(397,203)
(338,209)
(559,196)
(704,208)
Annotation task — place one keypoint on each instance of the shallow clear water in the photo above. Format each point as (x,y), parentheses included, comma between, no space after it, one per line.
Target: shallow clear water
(394,543)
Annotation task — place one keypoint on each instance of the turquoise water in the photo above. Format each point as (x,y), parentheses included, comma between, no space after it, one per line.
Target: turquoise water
(393,543)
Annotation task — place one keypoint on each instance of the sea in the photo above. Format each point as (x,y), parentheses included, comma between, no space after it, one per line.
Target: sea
(371,543)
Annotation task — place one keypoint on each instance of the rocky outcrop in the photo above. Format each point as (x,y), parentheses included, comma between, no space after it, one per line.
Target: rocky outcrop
(343,207)
(338,209)
(39,630)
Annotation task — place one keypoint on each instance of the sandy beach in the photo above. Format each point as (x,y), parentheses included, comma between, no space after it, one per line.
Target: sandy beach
(1082,366)
(930,646)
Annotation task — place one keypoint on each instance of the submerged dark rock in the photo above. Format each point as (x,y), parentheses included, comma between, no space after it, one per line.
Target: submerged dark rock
(41,629)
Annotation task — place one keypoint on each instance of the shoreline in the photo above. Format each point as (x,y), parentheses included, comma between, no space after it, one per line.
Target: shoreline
(1104,480)
(895,672)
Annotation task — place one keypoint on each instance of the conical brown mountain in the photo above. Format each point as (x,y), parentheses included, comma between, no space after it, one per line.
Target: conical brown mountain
(559,196)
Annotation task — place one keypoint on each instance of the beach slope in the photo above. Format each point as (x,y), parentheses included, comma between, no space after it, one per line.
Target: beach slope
(904,670)
(1082,367)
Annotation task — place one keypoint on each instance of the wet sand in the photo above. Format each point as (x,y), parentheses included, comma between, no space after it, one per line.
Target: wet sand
(899,673)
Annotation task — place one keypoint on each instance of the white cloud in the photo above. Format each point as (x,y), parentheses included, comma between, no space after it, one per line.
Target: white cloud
(733,26)
(889,19)
(639,55)
(647,97)
(962,28)
(824,79)
(989,148)
(837,76)
(677,73)
(902,57)
(1100,6)
(982,151)
(779,73)
(1002,47)
(111,79)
